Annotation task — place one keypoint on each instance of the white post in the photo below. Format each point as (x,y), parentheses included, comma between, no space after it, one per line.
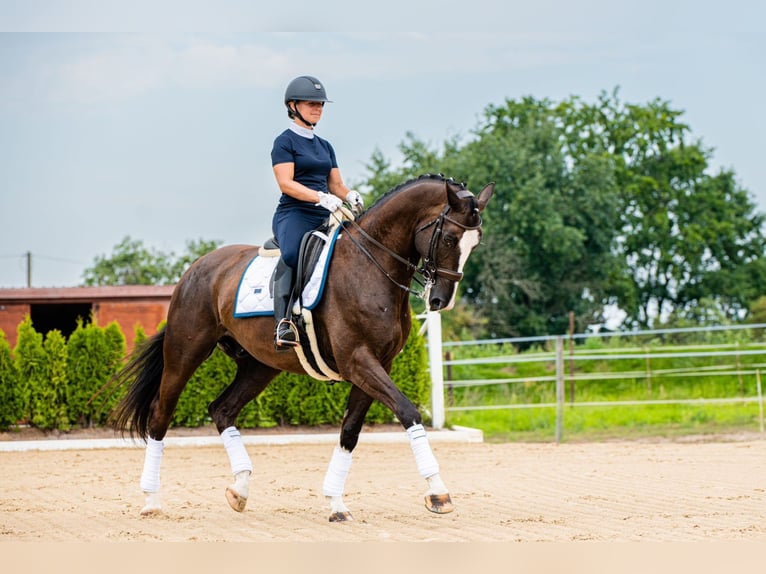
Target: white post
(559,388)
(760,397)
(434,322)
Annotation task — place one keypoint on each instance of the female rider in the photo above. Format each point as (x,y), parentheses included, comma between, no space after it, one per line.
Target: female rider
(308,177)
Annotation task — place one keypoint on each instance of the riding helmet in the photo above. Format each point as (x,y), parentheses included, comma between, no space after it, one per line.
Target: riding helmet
(305,89)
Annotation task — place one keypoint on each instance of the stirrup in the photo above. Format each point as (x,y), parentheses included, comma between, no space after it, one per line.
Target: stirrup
(285,335)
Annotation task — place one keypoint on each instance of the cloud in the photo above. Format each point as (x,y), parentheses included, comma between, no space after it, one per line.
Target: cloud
(209,65)
(116,68)
(103,68)
(93,69)
(111,75)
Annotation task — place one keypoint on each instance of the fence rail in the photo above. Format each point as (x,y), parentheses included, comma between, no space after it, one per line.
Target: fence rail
(556,358)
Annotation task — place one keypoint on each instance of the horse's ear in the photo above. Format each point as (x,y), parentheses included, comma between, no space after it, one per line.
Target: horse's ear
(485,195)
(453,196)
(457,197)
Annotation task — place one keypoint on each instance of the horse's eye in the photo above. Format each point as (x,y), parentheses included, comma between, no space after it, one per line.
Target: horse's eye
(450,241)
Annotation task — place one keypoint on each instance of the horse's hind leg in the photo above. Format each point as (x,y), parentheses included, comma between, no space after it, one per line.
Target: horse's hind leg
(335,479)
(181,360)
(252,377)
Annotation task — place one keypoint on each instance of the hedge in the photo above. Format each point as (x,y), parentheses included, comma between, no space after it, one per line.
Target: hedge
(10,391)
(53,383)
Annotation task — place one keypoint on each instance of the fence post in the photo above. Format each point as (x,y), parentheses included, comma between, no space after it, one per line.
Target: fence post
(559,388)
(450,386)
(434,321)
(760,397)
(571,358)
(648,373)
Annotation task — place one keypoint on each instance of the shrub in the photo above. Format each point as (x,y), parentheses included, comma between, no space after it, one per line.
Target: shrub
(53,384)
(95,355)
(49,401)
(410,373)
(312,402)
(10,405)
(208,381)
(29,357)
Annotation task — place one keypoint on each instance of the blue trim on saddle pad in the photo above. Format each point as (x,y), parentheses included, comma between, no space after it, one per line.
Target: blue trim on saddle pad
(330,249)
(262,290)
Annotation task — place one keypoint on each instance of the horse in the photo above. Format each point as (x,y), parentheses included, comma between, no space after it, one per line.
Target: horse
(361,324)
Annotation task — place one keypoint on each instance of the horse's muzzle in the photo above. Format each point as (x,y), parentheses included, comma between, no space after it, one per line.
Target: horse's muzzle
(437,302)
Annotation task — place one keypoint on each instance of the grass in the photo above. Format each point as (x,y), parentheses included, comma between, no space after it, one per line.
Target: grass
(610,423)
(697,370)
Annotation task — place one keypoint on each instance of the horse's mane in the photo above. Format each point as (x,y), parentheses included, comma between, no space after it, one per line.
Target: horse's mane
(438,177)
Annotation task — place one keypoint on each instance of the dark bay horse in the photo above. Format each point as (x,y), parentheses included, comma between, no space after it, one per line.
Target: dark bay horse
(362,323)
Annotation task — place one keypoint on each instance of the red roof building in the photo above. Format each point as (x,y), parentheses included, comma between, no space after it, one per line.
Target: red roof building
(60,307)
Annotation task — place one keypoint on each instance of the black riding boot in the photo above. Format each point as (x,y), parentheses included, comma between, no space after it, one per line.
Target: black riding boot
(285,335)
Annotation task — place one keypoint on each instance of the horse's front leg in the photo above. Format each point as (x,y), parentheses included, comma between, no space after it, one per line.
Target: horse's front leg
(374,381)
(437,496)
(340,464)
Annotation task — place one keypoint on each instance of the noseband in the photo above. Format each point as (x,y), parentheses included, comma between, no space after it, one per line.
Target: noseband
(430,269)
(425,275)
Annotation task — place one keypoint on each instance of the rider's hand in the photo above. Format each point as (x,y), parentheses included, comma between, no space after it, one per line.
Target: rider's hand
(329,201)
(355,201)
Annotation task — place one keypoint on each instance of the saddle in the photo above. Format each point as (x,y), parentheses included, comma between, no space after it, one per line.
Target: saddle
(310,252)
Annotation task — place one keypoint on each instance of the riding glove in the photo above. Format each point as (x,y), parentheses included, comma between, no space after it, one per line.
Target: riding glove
(329,201)
(355,200)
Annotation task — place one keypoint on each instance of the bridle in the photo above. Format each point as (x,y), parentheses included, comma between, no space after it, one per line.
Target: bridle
(425,275)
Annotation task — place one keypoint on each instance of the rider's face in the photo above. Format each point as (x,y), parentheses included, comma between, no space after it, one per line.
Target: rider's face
(311,111)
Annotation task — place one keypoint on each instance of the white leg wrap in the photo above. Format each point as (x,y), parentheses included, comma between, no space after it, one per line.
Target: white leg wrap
(424,458)
(335,479)
(235,448)
(150,477)
(436,485)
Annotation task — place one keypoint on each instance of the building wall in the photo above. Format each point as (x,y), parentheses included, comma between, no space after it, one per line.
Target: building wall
(11,314)
(131,314)
(130,306)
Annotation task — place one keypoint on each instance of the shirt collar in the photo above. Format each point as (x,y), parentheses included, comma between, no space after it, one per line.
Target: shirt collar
(301,131)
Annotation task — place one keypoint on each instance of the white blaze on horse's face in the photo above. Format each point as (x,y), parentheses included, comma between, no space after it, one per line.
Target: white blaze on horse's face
(467,244)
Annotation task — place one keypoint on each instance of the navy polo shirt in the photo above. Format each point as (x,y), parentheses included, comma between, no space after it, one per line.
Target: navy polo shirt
(314,158)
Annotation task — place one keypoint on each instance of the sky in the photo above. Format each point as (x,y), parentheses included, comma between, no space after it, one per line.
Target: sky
(156,121)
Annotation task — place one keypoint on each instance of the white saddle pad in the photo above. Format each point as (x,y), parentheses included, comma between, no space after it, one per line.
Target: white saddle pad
(254,296)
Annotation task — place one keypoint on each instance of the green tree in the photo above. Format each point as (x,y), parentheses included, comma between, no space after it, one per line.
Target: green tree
(549,230)
(132,263)
(595,205)
(686,234)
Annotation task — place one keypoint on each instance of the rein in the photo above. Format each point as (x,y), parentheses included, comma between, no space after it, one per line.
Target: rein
(426,275)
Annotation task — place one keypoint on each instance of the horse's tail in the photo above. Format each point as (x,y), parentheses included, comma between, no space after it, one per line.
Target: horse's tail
(143,373)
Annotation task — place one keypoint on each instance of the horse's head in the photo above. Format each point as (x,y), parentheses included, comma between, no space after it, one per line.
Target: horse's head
(446,242)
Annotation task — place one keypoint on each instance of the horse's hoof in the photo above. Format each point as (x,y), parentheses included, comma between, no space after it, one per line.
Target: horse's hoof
(235,500)
(150,510)
(341,517)
(439,503)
